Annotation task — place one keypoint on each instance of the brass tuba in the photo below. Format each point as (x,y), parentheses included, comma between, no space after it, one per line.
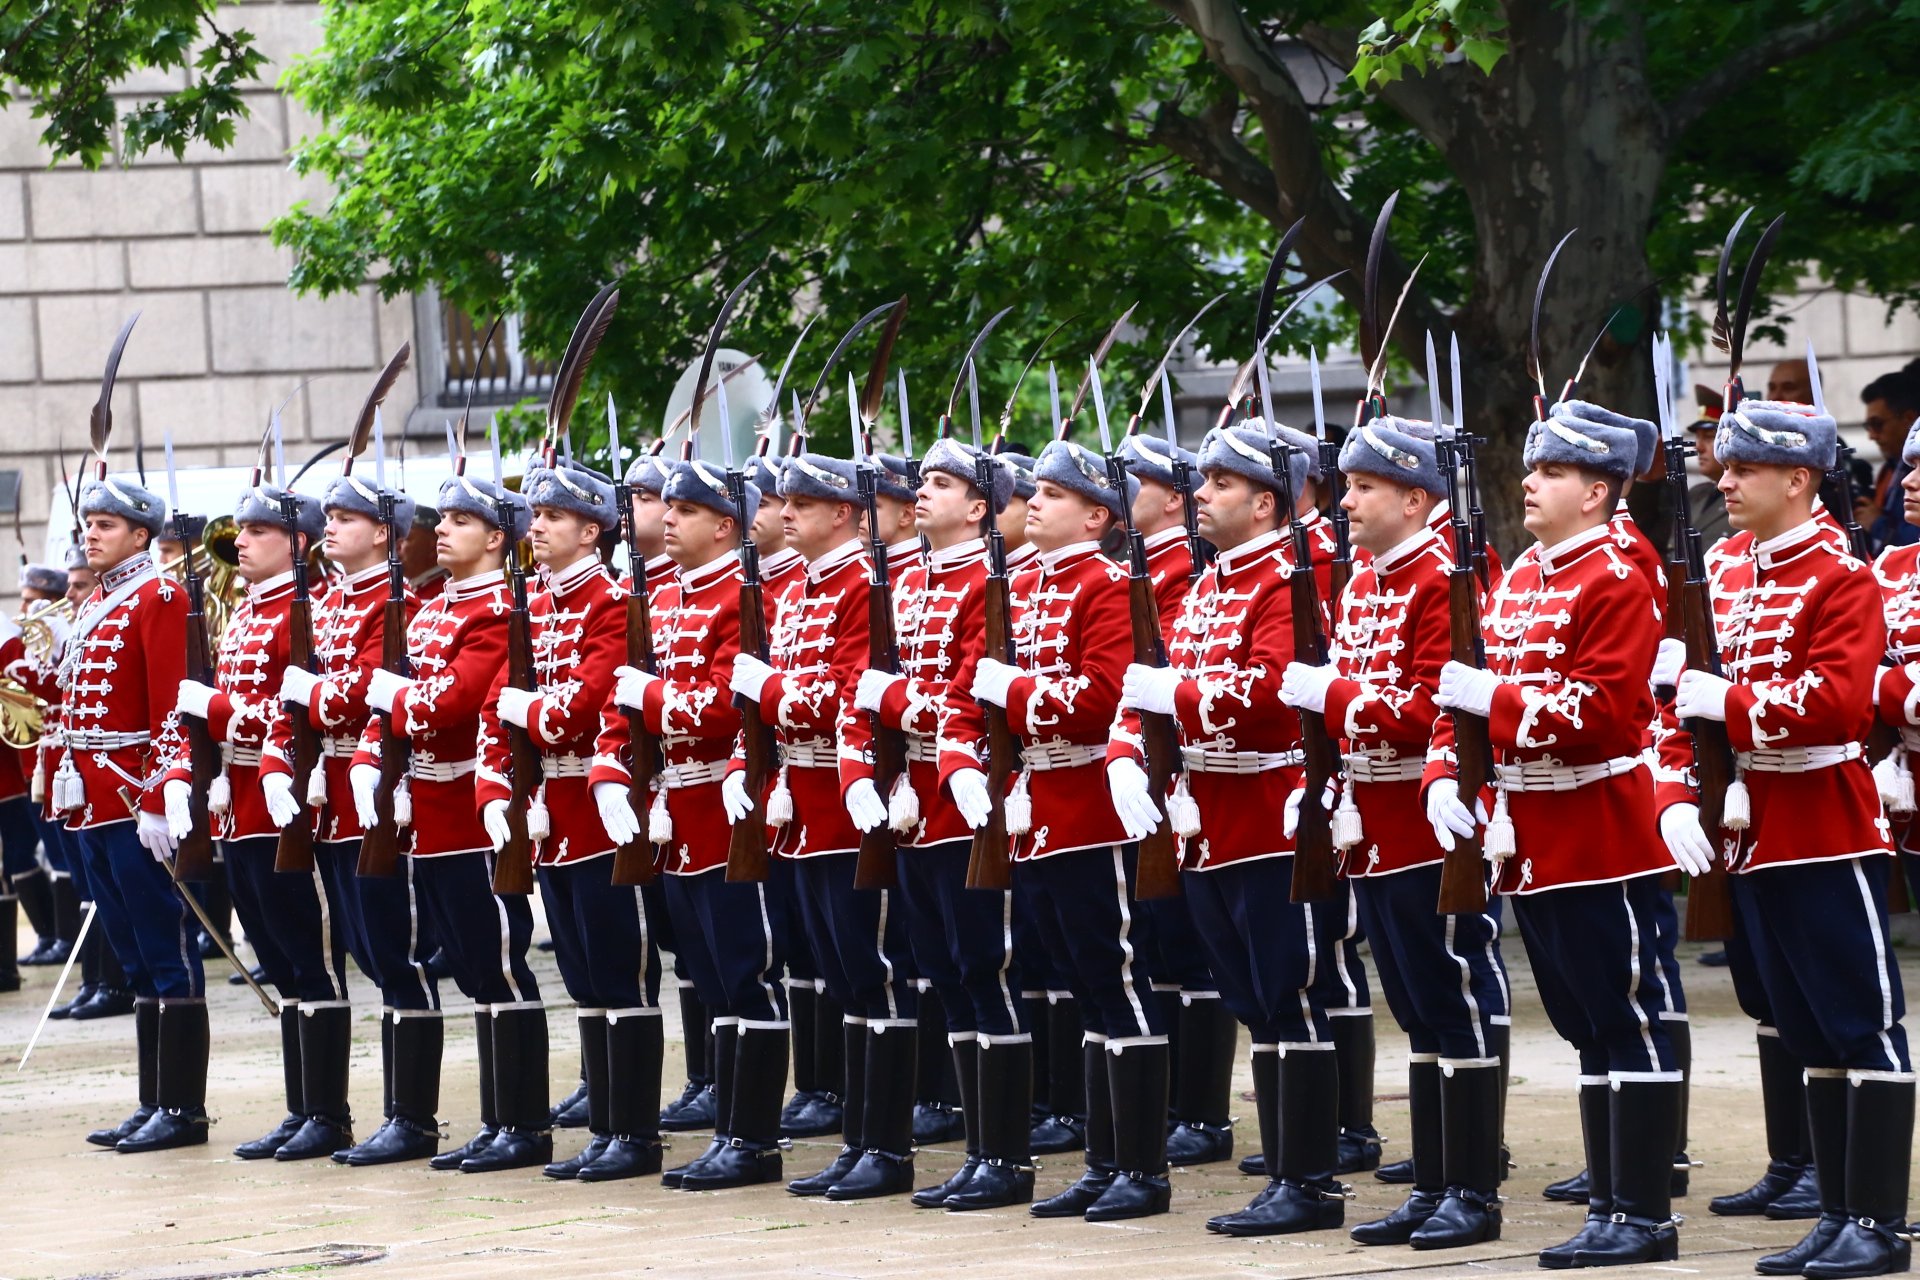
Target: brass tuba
(37,629)
(218,564)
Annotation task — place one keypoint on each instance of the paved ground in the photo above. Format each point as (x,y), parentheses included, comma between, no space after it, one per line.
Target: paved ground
(72,1210)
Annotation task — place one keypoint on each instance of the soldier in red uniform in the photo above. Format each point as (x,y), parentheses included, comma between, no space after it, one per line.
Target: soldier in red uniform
(1241,758)
(1070,848)
(300,945)
(120,673)
(457,643)
(600,929)
(384,932)
(1442,974)
(1570,640)
(732,936)
(1801,642)
(819,648)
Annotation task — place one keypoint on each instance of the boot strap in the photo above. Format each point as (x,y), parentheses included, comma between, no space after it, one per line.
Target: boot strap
(1335,1191)
(1009,1165)
(1621,1219)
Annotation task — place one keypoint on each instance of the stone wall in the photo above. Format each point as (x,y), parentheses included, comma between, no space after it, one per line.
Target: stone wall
(221,339)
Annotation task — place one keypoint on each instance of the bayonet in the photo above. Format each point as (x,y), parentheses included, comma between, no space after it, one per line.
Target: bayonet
(1166,413)
(613,439)
(279,450)
(1433,383)
(1099,406)
(906,418)
(1053,394)
(1319,405)
(173,483)
(973,401)
(1813,379)
(1266,392)
(379,452)
(726,425)
(493,439)
(1459,393)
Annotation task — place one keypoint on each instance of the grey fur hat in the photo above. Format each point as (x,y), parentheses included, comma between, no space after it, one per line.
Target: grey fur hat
(572,487)
(764,471)
(1019,465)
(76,557)
(891,479)
(261,505)
(650,471)
(1243,450)
(1778,433)
(1579,442)
(481,498)
(706,486)
(121,496)
(44,577)
(1646,436)
(1910,451)
(1398,450)
(1082,471)
(962,461)
(814,475)
(1152,458)
(351,493)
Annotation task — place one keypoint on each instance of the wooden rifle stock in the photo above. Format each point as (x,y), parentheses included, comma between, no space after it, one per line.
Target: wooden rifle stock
(1709,896)
(380,843)
(748,859)
(877,866)
(633,862)
(513,869)
(1315,862)
(990,863)
(194,857)
(1463,877)
(294,851)
(1158,873)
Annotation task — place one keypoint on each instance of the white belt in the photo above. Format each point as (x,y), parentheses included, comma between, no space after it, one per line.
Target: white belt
(339,748)
(923,750)
(1042,756)
(1547,775)
(1366,768)
(245,757)
(1199,760)
(693,773)
(1797,759)
(815,753)
(438,772)
(564,766)
(101,739)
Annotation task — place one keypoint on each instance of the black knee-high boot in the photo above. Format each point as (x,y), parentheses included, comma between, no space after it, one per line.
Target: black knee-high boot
(483,1031)
(1469,1213)
(1353,1046)
(635,1046)
(1879,1158)
(326,1041)
(1065,1126)
(964,1049)
(1425,1112)
(854,1041)
(593,1070)
(1003,1097)
(146,1029)
(1203,1083)
(415,1043)
(263,1147)
(1100,1168)
(1137,1083)
(180,1085)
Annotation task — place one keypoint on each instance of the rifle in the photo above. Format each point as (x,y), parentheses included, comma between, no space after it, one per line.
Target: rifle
(990,863)
(633,863)
(747,854)
(380,843)
(294,852)
(194,858)
(1337,487)
(876,867)
(1463,883)
(513,870)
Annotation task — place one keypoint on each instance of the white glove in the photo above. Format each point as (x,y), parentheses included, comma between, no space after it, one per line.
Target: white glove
(991,681)
(515,704)
(1290,816)
(194,698)
(1680,828)
(733,795)
(155,834)
(1702,694)
(179,798)
(297,684)
(494,819)
(1304,685)
(1147,688)
(364,781)
(385,688)
(1133,795)
(750,676)
(1669,660)
(970,796)
(865,806)
(873,686)
(616,815)
(1465,688)
(630,687)
(278,789)
(1448,816)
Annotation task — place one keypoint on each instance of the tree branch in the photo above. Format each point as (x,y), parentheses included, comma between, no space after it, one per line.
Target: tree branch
(1781,45)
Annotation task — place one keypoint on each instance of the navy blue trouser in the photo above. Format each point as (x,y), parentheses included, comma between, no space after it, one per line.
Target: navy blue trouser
(485,935)
(783,892)
(1818,935)
(1343,984)
(732,942)
(1748,991)
(1666,919)
(1442,975)
(1268,952)
(149,927)
(601,939)
(1030,954)
(1099,942)
(859,939)
(53,838)
(1596,961)
(1179,961)
(301,944)
(19,837)
(386,933)
(962,940)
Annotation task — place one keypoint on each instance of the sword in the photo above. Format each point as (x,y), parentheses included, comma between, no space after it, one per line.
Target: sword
(66,970)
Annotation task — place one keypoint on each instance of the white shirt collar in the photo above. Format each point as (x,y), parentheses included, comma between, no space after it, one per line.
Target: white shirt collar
(1051,560)
(655,565)
(1022,555)
(828,561)
(1566,551)
(1775,550)
(1249,551)
(779,561)
(561,581)
(371,574)
(478,584)
(714,568)
(958,554)
(255,590)
(1401,552)
(900,552)
(1154,541)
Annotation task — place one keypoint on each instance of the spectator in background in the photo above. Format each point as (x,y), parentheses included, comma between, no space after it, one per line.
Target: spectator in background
(1892,403)
(1790,381)
(1705,503)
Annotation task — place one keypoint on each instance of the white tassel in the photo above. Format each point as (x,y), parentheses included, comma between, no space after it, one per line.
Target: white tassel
(1346,821)
(539,821)
(317,787)
(659,818)
(1019,807)
(69,792)
(37,790)
(1183,812)
(1894,779)
(1737,813)
(220,794)
(402,804)
(780,803)
(1498,845)
(903,806)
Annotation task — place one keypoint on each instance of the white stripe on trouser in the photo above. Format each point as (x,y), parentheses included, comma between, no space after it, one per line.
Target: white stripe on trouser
(880,950)
(1313,974)
(1126,943)
(415,960)
(1870,909)
(1007,997)
(1668,1004)
(1340,950)
(326,932)
(506,949)
(1499,970)
(640,912)
(766,955)
(1466,986)
(1633,978)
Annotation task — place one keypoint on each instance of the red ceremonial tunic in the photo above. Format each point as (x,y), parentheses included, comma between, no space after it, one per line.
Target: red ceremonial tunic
(1801,636)
(1571,632)
(16,666)
(578,627)
(1897,697)
(458,643)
